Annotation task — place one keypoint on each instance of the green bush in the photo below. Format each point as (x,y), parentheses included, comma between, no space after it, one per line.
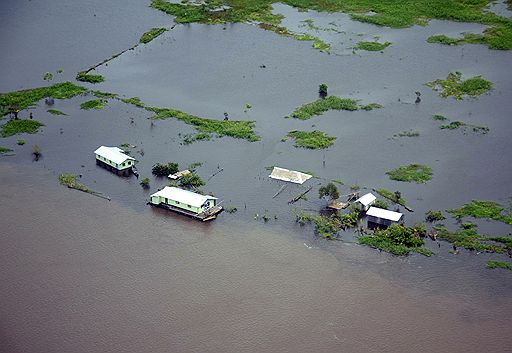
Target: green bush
(164,169)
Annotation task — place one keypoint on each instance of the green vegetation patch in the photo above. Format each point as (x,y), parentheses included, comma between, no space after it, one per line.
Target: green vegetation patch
(327,227)
(242,129)
(5,150)
(105,95)
(312,140)
(439,117)
(165,169)
(434,216)
(454,125)
(70,181)
(397,14)
(20,126)
(93,104)
(468,238)
(20,100)
(494,264)
(396,197)
(418,173)
(55,112)
(397,239)
(482,209)
(151,34)
(372,46)
(410,133)
(498,37)
(454,86)
(85,77)
(320,106)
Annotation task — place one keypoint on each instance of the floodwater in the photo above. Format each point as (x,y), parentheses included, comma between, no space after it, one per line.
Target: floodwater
(84,274)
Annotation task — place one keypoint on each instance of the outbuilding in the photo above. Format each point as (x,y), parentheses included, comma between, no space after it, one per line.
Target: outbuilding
(114,159)
(365,201)
(378,217)
(199,206)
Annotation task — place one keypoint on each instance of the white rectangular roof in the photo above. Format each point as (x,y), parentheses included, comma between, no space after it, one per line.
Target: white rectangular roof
(385,214)
(289,175)
(184,196)
(367,199)
(113,154)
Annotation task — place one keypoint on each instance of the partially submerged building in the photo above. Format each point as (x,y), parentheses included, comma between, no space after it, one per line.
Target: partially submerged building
(203,207)
(365,201)
(381,218)
(289,175)
(115,160)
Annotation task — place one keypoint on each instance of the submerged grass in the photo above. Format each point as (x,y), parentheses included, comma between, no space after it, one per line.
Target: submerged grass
(19,126)
(396,14)
(93,104)
(494,264)
(55,112)
(26,98)
(468,238)
(70,181)
(151,34)
(206,128)
(454,86)
(454,125)
(418,173)
(5,150)
(311,139)
(372,46)
(318,107)
(397,240)
(482,209)
(85,77)
(391,196)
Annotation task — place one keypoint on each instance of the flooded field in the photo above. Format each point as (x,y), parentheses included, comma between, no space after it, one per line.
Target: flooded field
(85,274)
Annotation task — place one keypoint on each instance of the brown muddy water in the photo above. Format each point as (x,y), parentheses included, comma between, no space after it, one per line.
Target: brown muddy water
(82,274)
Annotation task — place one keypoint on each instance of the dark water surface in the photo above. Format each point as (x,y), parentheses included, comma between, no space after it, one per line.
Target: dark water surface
(81,274)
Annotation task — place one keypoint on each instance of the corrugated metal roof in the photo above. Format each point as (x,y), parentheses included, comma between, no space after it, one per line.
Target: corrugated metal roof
(113,154)
(289,175)
(385,214)
(184,196)
(367,199)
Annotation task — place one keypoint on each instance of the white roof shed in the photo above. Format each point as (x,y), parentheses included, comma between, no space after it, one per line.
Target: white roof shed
(289,175)
(113,154)
(384,214)
(184,196)
(367,200)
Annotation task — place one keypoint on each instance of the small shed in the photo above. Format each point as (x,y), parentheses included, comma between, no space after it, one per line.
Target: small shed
(186,202)
(289,175)
(382,218)
(114,158)
(365,201)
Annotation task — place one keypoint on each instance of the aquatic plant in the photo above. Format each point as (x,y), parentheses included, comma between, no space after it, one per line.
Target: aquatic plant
(494,264)
(468,238)
(396,196)
(482,209)
(394,14)
(144,183)
(55,112)
(100,94)
(442,39)
(372,46)
(320,106)
(93,104)
(418,173)
(454,86)
(410,133)
(20,142)
(322,90)
(70,181)
(151,34)
(370,106)
(454,125)
(439,117)
(5,150)
(19,126)
(29,97)
(434,216)
(311,139)
(134,101)
(230,209)
(85,77)
(396,239)
(160,169)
